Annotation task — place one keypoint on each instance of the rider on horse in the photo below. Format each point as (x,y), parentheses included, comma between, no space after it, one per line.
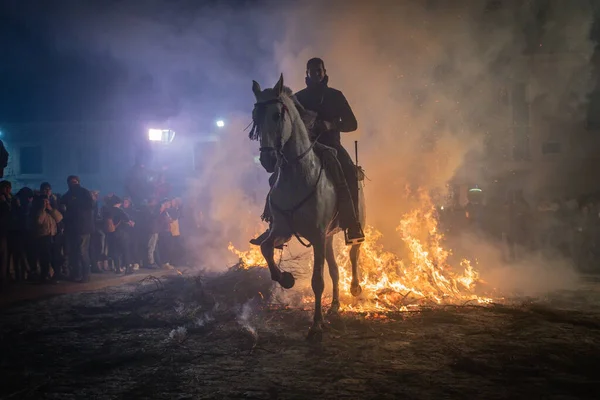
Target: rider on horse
(334,115)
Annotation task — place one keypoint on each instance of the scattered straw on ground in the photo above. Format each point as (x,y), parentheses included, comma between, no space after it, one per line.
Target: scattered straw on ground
(221,337)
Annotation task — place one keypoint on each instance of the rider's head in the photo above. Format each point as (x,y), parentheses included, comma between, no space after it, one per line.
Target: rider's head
(315,70)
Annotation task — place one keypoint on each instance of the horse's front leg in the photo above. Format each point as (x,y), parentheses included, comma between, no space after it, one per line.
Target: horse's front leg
(334,273)
(267,248)
(318,285)
(355,288)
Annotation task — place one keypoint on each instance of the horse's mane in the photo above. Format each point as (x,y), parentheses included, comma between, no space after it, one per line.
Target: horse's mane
(289,93)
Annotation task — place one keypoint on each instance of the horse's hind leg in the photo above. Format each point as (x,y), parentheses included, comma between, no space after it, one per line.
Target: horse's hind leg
(355,288)
(318,285)
(335,275)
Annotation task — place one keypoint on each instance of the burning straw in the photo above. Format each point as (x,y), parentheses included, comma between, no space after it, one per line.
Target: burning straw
(391,282)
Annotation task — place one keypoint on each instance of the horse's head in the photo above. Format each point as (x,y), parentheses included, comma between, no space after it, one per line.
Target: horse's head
(272,121)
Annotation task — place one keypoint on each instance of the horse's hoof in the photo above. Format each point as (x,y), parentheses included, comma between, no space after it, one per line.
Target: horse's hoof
(287,280)
(355,290)
(334,309)
(315,335)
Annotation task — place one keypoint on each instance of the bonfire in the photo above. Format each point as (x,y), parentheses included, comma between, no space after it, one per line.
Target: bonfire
(390,282)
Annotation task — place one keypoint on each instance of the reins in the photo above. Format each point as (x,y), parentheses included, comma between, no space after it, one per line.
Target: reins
(255,134)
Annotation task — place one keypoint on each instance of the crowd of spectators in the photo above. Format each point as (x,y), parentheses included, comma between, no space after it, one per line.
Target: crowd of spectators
(47,237)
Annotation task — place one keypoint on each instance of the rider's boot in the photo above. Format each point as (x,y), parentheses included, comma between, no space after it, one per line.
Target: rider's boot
(258,240)
(353,232)
(263,236)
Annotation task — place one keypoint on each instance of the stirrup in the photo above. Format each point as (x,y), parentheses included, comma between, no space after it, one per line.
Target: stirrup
(353,241)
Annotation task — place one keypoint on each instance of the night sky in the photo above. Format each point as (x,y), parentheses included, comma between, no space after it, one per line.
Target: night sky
(52,69)
(67,60)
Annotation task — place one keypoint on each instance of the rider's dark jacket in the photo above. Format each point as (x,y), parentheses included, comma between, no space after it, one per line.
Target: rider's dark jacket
(330,105)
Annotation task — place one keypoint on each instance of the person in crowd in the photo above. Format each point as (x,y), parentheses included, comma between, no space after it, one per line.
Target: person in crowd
(5,223)
(135,237)
(45,220)
(20,246)
(149,229)
(46,190)
(58,241)
(164,233)
(98,239)
(177,248)
(79,226)
(118,229)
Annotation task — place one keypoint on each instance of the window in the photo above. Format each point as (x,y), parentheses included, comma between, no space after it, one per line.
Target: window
(31,160)
(550,148)
(88,160)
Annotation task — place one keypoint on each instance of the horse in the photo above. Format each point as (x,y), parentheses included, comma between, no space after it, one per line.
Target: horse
(302,201)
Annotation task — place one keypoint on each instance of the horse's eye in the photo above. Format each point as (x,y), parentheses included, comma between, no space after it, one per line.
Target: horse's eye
(276,117)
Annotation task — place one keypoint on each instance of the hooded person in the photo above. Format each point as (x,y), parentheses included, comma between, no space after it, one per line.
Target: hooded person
(327,113)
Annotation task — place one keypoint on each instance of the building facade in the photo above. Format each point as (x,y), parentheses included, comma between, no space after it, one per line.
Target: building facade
(101,154)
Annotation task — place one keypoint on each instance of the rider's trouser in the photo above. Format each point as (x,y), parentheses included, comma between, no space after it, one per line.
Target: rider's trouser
(349,173)
(341,182)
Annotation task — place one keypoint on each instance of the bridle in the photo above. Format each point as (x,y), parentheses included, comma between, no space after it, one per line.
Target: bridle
(256,132)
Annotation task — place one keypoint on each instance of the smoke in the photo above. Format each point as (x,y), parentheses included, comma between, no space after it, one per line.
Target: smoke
(533,274)
(430,82)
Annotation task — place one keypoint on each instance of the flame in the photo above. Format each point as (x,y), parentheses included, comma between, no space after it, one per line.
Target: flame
(249,258)
(394,283)
(390,282)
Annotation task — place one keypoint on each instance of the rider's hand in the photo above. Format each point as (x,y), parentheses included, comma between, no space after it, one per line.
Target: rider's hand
(328,125)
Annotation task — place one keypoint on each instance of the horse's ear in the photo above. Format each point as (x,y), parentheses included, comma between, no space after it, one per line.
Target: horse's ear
(256,88)
(278,88)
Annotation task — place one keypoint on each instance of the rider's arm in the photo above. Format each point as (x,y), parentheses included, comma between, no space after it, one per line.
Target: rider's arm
(347,120)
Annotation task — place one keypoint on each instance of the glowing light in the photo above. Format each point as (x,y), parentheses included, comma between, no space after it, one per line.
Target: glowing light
(220,123)
(161,135)
(155,135)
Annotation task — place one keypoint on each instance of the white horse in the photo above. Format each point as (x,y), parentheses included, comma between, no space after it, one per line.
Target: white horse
(303,200)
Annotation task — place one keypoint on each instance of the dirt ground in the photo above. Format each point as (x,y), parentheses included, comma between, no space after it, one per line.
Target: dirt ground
(178,337)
